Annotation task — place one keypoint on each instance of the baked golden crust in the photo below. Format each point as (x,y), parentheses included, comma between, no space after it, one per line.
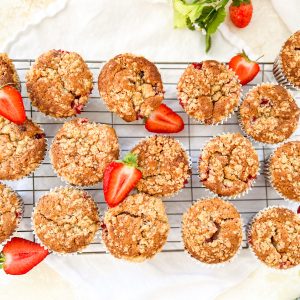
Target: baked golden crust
(66,220)
(284,168)
(209,91)
(212,230)
(59,83)
(81,151)
(228,164)
(274,237)
(130,86)
(137,228)
(164,165)
(8,73)
(22,148)
(290,59)
(269,113)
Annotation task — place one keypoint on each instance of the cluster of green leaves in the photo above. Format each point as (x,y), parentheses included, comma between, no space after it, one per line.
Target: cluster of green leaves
(204,15)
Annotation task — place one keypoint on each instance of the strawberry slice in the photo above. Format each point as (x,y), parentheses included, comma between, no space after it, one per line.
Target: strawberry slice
(245,68)
(164,120)
(11,105)
(19,256)
(120,177)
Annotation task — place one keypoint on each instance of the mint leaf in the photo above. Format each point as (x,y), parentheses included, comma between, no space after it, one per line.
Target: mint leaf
(218,18)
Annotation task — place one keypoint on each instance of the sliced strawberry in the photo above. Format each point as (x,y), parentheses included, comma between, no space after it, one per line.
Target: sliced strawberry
(298,210)
(244,68)
(240,12)
(11,104)
(164,120)
(19,256)
(120,177)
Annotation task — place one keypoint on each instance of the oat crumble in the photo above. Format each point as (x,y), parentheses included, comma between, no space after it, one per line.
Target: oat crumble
(8,73)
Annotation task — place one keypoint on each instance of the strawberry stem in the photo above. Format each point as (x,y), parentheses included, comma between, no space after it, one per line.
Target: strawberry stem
(2,260)
(6,84)
(260,57)
(130,159)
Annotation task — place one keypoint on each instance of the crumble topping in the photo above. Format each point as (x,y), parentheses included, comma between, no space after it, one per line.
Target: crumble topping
(8,73)
(209,91)
(130,86)
(228,164)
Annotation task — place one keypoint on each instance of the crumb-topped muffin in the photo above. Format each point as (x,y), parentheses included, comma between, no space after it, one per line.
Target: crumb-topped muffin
(228,164)
(66,220)
(10,212)
(284,170)
(269,114)
(212,230)
(164,165)
(8,73)
(81,150)
(209,91)
(22,148)
(137,228)
(59,83)
(274,237)
(130,86)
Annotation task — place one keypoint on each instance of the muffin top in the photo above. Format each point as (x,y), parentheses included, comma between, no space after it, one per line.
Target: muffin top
(228,164)
(22,148)
(81,151)
(209,91)
(137,228)
(59,83)
(212,230)
(290,59)
(66,220)
(164,165)
(275,237)
(8,73)
(10,212)
(269,113)
(130,86)
(284,168)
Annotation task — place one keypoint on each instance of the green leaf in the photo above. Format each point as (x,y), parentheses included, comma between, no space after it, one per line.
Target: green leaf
(207,42)
(218,18)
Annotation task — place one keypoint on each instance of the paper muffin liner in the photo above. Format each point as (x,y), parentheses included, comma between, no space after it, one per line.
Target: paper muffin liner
(221,264)
(213,194)
(248,234)
(19,219)
(48,248)
(250,137)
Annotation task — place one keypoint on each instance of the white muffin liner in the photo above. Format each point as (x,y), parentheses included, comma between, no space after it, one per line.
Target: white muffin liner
(213,194)
(250,137)
(255,217)
(221,264)
(49,249)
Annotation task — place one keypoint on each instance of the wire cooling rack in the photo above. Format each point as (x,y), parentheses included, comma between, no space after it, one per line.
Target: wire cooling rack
(193,137)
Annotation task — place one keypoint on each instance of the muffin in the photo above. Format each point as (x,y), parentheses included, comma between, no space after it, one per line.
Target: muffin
(269,114)
(66,220)
(209,91)
(274,237)
(284,170)
(22,148)
(212,231)
(59,83)
(81,151)
(287,65)
(228,165)
(8,73)
(130,86)
(136,229)
(164,165)
(11,209)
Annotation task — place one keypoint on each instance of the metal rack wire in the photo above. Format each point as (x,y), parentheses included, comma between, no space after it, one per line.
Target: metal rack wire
(192,137)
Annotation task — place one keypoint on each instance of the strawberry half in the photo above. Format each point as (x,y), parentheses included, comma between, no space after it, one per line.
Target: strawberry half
(120,177)
(164,120)
(244,68)
(240,12)
(11,105)
(19,256)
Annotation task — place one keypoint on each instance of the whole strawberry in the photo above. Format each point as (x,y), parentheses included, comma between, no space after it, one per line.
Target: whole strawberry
(241,12)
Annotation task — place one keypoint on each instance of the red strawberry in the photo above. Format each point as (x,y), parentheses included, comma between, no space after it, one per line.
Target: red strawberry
(245,68)
(120,177)
(241,12)
(19,256)
(298,210)
(164,120)
(11,105)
